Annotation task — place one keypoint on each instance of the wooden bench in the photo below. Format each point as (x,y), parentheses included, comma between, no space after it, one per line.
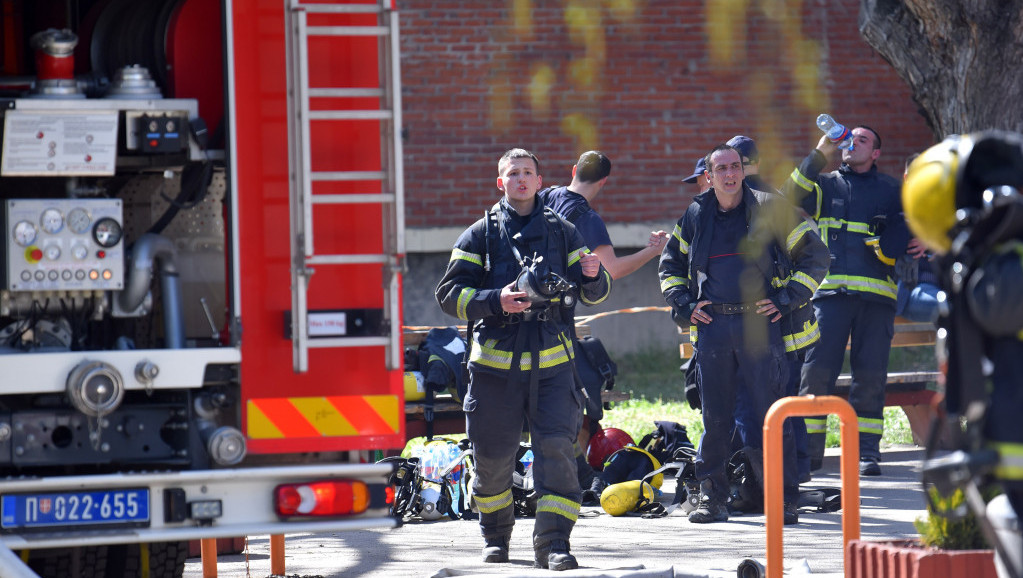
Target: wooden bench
(448,417)
(913,391)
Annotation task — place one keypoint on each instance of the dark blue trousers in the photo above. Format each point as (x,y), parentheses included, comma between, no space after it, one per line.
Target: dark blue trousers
(496,409)
(871,326)
(741,357)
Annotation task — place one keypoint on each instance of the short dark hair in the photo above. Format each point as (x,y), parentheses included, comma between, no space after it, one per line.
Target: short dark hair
(720,147)
(592,166)
(877,137)
(517,154)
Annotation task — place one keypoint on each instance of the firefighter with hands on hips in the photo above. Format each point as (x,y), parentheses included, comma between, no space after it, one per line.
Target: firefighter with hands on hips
(799,330)
(724,271)
(859,213)
(962,200)
(513,271)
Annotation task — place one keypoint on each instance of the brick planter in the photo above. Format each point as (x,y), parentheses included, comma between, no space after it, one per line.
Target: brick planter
(908,559)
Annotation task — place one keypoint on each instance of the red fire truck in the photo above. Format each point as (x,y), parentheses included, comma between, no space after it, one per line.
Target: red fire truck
(200,294)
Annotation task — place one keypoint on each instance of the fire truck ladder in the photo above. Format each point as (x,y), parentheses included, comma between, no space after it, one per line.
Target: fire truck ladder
(302,176)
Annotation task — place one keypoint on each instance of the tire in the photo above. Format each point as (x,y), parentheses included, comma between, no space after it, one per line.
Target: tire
(166,560)
(87,562)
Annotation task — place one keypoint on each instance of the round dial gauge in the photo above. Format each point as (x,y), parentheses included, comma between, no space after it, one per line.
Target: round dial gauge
(52,252)
(52,221)
(24,233)
(107,232)
(79,252)
(78,220)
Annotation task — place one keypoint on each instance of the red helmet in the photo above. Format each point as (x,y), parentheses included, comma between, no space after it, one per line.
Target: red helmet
(603,443)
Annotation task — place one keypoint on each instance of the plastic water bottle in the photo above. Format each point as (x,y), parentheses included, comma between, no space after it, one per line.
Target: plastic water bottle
(527,460)
(836,132)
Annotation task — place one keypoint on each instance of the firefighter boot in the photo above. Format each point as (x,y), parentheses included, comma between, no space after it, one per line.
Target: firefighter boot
(555,556)
(496,550)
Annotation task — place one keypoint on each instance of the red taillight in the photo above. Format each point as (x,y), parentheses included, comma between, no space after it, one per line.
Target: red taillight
(327,498)
(389,495)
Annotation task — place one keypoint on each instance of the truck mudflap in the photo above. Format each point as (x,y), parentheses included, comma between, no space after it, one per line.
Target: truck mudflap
(57,512)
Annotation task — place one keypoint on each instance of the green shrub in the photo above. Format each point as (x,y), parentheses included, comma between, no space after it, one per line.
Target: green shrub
(949,532)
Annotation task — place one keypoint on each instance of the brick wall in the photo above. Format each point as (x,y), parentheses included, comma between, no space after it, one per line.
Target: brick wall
(654,84)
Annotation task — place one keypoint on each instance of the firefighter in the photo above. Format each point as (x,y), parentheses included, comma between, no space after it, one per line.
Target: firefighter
(962,199)
(512,271)
(721,271)
(851,206)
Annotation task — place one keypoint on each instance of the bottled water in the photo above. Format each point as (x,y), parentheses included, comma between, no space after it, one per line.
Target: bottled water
(836,132)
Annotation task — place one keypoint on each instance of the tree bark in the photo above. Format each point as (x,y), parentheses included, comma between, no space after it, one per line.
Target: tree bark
(962,59)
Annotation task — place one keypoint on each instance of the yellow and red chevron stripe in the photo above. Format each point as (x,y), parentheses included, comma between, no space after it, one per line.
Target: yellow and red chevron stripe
(334,416)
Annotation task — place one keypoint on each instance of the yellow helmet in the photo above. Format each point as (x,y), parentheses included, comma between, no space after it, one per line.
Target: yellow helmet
(929,194)
(622,498)
(953,175)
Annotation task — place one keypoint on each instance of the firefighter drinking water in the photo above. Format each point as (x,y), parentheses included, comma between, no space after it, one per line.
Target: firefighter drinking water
(509,275)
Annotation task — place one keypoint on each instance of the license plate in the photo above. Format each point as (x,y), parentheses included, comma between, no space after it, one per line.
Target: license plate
(126,507)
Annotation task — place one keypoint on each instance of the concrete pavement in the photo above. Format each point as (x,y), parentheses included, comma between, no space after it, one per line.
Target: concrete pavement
(606,546)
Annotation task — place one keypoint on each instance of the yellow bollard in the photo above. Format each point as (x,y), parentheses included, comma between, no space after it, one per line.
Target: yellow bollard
(208,551)
(774,498)
(277,554)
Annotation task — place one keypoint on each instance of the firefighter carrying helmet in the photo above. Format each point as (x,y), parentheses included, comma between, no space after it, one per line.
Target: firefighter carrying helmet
(953,175)
(603,443)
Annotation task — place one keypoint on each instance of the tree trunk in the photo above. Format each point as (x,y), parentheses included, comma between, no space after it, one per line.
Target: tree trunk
(962,59)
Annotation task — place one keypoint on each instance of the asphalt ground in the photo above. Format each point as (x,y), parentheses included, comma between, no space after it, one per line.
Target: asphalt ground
(604,545)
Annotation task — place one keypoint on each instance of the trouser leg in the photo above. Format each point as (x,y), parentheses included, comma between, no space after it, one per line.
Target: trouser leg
(763,369)
(823,364)
(494,414)
(555,477)
(717,378)
(798,423)
(872,332)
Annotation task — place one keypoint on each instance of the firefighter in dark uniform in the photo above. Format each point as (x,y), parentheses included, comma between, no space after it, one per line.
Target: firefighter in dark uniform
(962,200)
(722,271)
(851,206)
(513,271)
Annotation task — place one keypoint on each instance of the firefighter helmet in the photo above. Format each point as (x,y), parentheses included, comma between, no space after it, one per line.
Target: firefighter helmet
(953,175)
(620,499)
(603,443)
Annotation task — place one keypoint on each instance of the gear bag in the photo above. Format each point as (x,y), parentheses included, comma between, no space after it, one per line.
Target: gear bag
(597,372)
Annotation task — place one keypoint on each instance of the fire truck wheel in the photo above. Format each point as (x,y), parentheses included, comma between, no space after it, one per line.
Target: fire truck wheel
(88,562)
(166,560)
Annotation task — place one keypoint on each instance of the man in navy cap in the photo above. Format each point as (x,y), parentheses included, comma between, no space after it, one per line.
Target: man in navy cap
(699,175)
(747,147)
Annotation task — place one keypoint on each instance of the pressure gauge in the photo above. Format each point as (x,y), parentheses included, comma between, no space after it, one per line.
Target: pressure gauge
(107,232)
(24,233)
(79,252)
(52,252)
(78,220)
(52,221)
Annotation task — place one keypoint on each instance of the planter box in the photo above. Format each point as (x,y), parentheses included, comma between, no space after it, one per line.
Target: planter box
(908,559)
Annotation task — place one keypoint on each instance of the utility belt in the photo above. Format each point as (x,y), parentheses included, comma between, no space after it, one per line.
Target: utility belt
(732,308)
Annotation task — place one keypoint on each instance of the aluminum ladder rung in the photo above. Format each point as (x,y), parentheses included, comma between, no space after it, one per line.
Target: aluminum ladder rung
(348,175)
(348,31)
(350,115)
(337,9)
(318,342)
(359,198)
(346,92)
(345,259)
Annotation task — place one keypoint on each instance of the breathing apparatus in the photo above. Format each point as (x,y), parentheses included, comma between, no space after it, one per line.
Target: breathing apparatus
(541,284)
